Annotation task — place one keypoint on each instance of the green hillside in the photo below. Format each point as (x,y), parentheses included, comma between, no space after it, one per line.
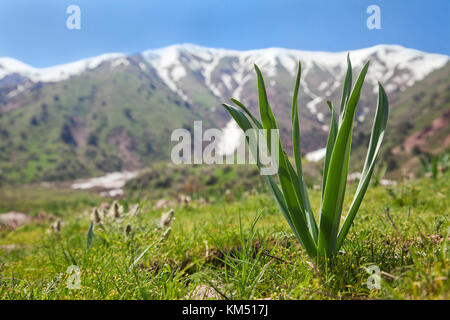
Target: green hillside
(107,120)
(120,118)
(419,123)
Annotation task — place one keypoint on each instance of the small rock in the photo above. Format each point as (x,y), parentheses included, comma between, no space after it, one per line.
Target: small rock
(8,247)
(13,220)
(204,292)
(161,204)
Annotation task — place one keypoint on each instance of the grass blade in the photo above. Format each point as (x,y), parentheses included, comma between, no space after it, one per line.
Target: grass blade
(136,261)
(90,235)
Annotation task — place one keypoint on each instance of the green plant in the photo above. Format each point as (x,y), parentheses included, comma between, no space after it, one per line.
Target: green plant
(379,175)
(404,195)
(433,164)
(324,239)
(430,164)
(244,266)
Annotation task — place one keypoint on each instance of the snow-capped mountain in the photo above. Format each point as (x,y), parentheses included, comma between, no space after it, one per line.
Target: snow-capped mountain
(226,72)
(229,73)
(10,66)
(133,102)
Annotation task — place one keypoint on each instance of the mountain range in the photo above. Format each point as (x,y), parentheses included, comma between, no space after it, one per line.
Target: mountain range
(116,111)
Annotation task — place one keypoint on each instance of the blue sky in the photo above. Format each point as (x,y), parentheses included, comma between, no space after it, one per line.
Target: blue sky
(35,31)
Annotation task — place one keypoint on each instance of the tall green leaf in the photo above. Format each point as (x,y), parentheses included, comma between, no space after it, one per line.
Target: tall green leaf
(337,174)
(376,138)
(292,198)
(267,117)
(255,121)
(273,186)
(90,235)
(287,176)
(298,158)
(347,89)
(293,214)
(330,145)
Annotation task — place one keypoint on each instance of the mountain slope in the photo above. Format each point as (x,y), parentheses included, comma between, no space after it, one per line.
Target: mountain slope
(116,112)
(104,120)
(189,69)
(419,122)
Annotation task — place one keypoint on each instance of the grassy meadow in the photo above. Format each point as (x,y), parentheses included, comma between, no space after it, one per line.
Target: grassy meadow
(235,245)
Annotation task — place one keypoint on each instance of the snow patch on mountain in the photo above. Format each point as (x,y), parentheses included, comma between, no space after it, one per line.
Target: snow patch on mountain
(56,73)
(227,80)
(317,155)
(166,62)
(20,88)
(208,69)
(289,63)
(120,61)
(395,66)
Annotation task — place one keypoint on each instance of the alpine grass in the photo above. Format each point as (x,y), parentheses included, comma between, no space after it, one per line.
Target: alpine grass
(323,239)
